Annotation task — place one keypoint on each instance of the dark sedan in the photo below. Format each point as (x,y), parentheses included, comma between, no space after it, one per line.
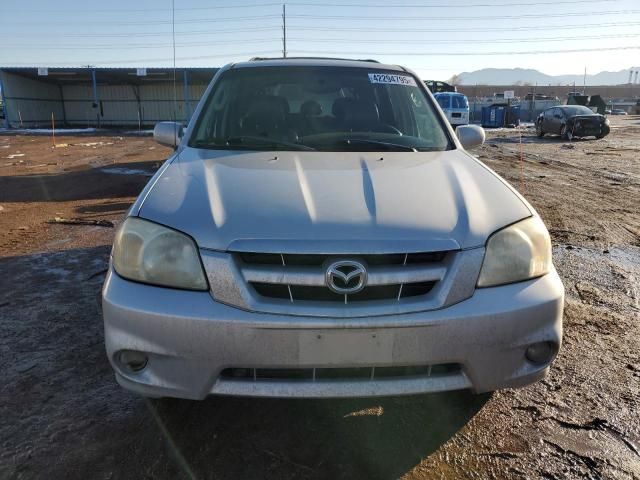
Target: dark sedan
(571,121)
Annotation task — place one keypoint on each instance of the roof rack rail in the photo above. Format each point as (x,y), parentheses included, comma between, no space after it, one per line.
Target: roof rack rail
(258,59)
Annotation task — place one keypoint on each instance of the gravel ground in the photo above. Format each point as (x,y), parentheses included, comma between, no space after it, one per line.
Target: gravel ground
(63,416)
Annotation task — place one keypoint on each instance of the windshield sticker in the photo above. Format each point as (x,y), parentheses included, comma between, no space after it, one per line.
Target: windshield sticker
(392,79)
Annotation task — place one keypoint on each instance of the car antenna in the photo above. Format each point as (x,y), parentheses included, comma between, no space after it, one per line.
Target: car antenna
(175,97)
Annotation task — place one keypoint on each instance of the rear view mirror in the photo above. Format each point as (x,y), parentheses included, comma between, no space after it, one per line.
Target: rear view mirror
(470,136)
(168,133)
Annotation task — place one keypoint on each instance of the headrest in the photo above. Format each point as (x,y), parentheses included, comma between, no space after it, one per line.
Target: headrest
(311,108)
(350,109)
(266,113)
(262,103)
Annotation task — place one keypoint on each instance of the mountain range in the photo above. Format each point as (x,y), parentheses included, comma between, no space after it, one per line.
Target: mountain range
(513,76)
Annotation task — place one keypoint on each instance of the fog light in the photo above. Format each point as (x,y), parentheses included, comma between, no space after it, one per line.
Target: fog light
(132,360)
(541,352)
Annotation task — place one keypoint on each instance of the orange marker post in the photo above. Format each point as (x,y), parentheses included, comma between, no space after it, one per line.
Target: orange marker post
(53,129)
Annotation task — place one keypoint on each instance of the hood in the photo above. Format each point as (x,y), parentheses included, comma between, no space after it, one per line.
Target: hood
(332,202)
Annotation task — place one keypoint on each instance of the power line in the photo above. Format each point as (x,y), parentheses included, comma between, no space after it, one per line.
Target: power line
(582,26)
(163,22)
(140,45)
(275,52)
(321,40)
(148,34)
(319,5)
(463,40)
(140,61)
(466,29)
(458,17)
(118,10)
(455,6)
(359,18)
(469,54)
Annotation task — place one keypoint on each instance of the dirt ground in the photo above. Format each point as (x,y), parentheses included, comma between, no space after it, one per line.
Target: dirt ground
(63,416)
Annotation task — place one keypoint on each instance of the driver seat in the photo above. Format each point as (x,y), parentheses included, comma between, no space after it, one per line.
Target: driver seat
(355,115)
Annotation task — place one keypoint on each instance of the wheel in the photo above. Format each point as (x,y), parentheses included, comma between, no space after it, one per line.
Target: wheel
(565,133)
(539,130)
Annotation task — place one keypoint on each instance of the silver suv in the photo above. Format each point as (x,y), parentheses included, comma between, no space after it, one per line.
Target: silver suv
(320,231)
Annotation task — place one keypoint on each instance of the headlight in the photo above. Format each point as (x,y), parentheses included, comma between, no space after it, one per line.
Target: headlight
(515,253)
(147,252)
(606,121)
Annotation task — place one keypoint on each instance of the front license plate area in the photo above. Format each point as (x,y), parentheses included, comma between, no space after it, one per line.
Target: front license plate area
(344,348)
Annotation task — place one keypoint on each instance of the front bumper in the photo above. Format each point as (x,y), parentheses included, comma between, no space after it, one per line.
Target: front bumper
(591,130)
(190,339)
(459,120)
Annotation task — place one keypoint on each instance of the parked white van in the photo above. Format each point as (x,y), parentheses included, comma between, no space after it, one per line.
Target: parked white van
(455,106)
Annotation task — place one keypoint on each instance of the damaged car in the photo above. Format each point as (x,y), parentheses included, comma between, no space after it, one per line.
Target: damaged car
(321,231)
(572,121)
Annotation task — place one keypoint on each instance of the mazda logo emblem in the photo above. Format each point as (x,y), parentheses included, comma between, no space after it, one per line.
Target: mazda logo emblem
(346,277)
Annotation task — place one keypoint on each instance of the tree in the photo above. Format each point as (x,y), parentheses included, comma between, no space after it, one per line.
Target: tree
(454,80)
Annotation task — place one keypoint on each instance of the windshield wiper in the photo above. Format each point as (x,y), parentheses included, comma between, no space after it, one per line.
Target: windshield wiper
(388,145)
(247,140)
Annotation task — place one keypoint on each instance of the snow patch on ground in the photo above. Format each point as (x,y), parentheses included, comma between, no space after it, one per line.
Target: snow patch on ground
(60,131)
(126,171)
(138,132)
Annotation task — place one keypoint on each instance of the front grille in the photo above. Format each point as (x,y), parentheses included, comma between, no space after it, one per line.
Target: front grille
(291,278)
(296,283)
(318,260)
(345,374)
(380,292)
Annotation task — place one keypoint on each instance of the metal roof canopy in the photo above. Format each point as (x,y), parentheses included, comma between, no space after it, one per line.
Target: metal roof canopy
(113,76)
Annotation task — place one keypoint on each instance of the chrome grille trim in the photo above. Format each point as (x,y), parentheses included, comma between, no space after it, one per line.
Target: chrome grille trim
(306,281)
(284,264)
(404,263)
(456,275)
(315,277)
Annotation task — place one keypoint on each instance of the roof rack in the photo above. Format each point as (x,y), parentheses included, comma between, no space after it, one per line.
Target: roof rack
(258,59)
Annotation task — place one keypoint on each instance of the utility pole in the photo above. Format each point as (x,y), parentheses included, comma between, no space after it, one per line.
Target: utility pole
(584,81)
(284,30)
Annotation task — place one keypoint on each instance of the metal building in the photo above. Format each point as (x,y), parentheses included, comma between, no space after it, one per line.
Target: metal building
(99,97)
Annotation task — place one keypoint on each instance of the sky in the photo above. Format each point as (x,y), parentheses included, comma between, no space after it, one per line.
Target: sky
(435,38)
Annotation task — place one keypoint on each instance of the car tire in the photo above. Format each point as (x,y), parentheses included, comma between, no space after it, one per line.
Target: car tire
(565,133)
(539,131)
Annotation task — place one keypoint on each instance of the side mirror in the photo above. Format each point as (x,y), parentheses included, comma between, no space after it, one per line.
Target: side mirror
(168,134)
(470,136)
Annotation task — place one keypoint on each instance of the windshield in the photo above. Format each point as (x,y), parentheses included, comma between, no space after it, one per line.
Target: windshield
(577,110)
(318,108)
(443,101)
(459,101)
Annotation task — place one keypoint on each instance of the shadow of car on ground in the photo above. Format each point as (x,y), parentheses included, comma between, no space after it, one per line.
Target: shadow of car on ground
(72,420)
